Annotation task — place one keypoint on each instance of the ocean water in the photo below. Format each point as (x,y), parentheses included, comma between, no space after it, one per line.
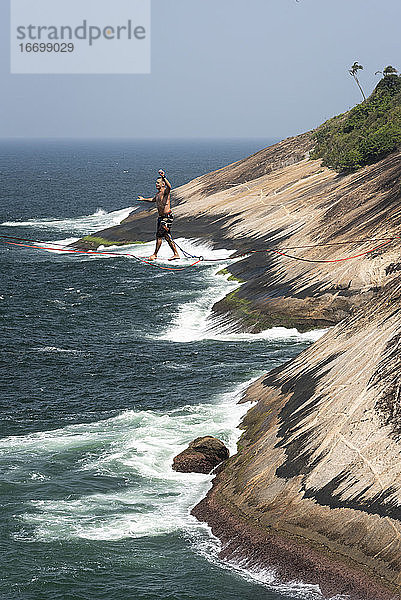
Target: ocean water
(108,369)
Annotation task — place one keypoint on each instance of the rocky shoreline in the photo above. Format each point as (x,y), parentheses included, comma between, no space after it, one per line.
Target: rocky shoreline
(315,488)
(244,544)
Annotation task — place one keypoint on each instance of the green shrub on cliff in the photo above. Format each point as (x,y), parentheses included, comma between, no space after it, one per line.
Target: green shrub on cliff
(94,242)
(366,133)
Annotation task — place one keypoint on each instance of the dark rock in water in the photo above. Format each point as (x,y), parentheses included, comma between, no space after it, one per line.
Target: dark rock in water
(201,456)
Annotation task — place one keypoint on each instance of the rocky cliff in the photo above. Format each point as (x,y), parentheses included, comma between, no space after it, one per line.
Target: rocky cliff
(315,488)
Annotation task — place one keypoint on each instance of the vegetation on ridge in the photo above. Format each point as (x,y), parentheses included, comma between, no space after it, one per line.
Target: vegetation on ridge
(366,133)
(92,241)
(230,277)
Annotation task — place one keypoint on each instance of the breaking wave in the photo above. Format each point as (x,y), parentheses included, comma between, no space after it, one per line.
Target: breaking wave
(85,224)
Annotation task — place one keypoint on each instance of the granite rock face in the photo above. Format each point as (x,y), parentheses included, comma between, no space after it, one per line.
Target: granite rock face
(315,488)
(201,456)
(317,481)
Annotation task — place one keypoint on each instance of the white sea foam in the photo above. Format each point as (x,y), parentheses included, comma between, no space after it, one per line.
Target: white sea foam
(37,477)
(144,250)
(137,446)
(277,334)
(194,320)
(269,578)
(62,242)
(100,219)
(204,249)
(208,546)
(192,247)
(56,349)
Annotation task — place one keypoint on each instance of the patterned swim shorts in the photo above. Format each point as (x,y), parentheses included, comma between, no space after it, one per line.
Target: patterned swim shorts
(164,225)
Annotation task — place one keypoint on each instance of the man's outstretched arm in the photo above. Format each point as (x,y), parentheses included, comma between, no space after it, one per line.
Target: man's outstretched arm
(142,199)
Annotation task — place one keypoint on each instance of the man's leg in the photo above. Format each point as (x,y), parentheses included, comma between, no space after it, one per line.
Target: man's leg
(158,244)
(173,247)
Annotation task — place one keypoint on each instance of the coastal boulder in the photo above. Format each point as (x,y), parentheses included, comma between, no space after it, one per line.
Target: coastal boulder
(201,456)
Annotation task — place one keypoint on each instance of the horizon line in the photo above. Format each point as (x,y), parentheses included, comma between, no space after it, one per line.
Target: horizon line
(126,138)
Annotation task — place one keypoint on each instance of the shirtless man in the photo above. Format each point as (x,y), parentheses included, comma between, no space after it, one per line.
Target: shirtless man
(165,219)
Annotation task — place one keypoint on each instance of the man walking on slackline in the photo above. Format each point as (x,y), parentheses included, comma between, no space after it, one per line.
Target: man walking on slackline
(165,218)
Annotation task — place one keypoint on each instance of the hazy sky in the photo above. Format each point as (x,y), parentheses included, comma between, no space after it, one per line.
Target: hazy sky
(220,68)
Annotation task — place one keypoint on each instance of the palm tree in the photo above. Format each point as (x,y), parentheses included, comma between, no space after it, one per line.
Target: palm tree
(387,71)
(353,72)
